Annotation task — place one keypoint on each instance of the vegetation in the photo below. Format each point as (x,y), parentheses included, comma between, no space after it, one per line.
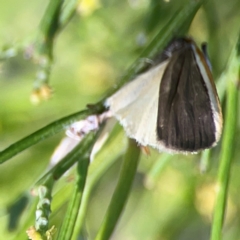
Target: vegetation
(80,52)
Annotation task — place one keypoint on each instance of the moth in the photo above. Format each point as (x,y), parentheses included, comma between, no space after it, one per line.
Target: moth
(173,106)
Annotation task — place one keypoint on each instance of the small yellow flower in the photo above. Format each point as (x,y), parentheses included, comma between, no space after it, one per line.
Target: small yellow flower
(86,7)
(40,94)
(33,234)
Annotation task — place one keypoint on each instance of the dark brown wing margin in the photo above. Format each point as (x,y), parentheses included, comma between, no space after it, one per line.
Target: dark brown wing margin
(185,119)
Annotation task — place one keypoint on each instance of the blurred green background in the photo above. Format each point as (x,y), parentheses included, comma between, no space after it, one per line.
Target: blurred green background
(170,198)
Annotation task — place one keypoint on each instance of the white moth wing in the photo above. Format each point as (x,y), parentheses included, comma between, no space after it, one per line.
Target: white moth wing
(136,106)
(215,104)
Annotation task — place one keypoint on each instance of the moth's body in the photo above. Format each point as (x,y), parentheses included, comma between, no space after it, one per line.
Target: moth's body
(174,105)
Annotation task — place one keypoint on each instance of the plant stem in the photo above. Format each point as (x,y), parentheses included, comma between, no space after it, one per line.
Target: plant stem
(121,192)
(79,152)
(49,26)
(226,157)
(46,132)
(69,223)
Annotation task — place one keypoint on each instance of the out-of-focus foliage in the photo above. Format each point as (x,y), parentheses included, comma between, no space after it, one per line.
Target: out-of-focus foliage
(170,198)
